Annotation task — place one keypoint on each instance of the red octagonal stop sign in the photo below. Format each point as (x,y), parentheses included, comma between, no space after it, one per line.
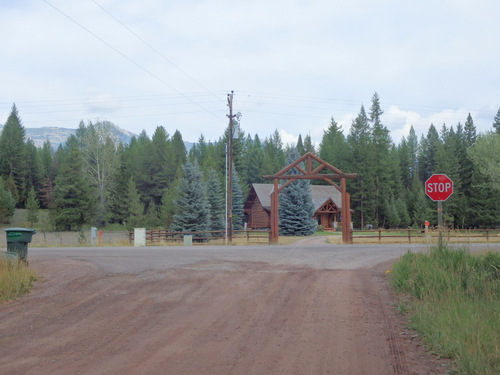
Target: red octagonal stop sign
(439,187)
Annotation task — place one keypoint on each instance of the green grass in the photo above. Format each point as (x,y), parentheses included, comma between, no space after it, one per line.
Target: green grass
(19,220)
(456,304)
(15,278)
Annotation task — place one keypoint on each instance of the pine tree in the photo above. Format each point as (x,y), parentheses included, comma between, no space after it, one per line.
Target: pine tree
(405,162)
(470,132)
(13,156)
(296,208)
(32,208)
(308,145)
(300,146)
(135,207)
(152,217)
(420,211)
(138,162)
(46,155)
(496,122)
(161,164)
(333,147)
(7,203)
(381,148)
(254,158)
(448,162)
(428,155)
(191,208)
(179,151)
(361,162)
(237,200)
(483,210)
(215,201)
(167,209)
(486,157)
(274,157)
(73,203)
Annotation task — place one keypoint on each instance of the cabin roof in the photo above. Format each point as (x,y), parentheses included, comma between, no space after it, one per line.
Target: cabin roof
(320,194)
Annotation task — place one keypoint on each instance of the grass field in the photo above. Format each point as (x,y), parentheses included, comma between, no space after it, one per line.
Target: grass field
(454,305)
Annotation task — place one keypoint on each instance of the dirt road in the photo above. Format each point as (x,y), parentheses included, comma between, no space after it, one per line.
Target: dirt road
(211,317)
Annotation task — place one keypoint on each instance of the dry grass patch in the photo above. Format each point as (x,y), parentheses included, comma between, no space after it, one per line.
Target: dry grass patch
(16,278)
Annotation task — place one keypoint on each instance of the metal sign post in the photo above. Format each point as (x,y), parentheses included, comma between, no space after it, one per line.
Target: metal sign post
(439,187)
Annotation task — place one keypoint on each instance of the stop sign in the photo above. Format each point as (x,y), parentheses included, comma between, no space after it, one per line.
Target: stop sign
(439,187)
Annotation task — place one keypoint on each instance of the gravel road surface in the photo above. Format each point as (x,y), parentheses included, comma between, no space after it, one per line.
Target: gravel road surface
(307,308)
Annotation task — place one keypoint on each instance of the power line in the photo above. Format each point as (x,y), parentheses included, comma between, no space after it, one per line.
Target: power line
(157,52)
(129,59)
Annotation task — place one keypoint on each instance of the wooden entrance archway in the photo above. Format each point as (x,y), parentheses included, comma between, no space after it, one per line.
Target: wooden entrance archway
(317,174)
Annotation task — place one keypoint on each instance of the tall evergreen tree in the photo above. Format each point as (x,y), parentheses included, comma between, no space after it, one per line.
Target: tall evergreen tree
(13,156)
(483,210)
(152,217)
(333,147)
(168,200)
(237,200)
(138,161)
(7,203)
(296,208)
(496,122)
(135,207)
(419,208)
(32,208)
(73,203)
(179,151)
(448,162)
(308,145)
(161,164)
(470,132)
(361,162)
(300,146)
(381,145)
(486,157)
(46,154)
(254,158)
(34,177)
(428,155)
(215,201)
(191,208)
(274,156)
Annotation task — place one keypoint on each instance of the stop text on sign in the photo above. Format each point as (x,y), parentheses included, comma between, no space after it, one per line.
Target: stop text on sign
(439,187)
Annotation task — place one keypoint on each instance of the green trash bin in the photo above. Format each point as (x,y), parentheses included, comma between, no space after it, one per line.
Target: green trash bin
(17,241)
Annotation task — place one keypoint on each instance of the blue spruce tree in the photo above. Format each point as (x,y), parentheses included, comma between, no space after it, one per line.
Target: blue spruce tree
(192,212)
(296,208)
(215,197)
(238,209)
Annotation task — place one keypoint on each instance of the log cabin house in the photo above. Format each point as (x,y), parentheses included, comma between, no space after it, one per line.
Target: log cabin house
(327,202)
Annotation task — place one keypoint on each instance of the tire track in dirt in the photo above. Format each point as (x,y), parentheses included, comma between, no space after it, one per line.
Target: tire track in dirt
(390,326)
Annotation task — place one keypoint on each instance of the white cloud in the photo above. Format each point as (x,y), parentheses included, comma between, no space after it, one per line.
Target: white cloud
(287,138)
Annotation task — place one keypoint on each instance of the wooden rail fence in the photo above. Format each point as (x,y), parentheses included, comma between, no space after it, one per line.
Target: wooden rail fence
(163,235)
(418,235)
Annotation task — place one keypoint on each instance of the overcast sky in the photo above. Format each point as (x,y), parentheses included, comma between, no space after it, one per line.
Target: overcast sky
(292,64)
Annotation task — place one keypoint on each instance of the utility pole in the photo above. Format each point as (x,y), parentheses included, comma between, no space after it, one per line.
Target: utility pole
(232,134)
(230,170)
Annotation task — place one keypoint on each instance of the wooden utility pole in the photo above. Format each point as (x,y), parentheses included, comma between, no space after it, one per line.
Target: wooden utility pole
(230,170)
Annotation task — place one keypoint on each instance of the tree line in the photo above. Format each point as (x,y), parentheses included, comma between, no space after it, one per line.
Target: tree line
(155,182)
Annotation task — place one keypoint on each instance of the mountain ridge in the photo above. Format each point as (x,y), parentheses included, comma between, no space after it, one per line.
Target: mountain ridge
(57,135)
